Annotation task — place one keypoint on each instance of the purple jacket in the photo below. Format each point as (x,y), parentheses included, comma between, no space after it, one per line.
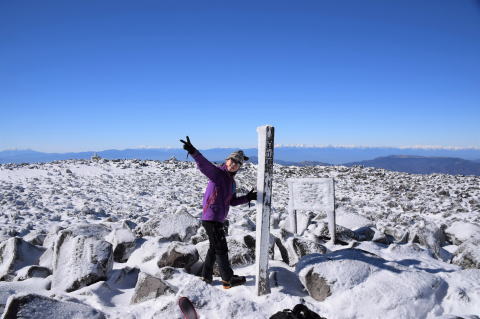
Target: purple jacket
(220,192)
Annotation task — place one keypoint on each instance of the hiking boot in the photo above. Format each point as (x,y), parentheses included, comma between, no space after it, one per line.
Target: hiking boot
(207,281)
(234,281)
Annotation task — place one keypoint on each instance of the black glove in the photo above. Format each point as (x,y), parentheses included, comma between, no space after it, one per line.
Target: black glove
(252,195)
(188,146)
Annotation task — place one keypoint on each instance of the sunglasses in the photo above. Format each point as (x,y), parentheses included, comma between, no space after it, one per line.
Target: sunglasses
(235,162)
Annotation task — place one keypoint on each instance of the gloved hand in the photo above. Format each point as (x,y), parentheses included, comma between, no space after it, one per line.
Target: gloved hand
(188,146)
(252,195)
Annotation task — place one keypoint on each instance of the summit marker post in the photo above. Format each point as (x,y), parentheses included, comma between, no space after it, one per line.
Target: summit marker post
(264,206)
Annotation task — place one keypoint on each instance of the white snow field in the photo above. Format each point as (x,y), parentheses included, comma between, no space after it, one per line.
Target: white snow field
(122,239)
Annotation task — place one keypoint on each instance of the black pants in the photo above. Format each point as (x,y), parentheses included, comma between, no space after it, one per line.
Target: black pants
(218,251)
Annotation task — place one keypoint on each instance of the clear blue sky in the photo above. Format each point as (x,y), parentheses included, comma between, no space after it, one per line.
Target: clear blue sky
(94,75)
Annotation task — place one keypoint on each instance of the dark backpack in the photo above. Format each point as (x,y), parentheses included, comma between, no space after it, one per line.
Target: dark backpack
(299,312)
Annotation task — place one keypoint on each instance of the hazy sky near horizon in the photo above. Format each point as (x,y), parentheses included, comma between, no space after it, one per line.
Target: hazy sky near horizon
(94,75)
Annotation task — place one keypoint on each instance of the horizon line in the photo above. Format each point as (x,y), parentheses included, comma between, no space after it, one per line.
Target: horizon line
(146,147)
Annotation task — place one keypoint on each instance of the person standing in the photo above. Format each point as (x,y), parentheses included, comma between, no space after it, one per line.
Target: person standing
(219,195)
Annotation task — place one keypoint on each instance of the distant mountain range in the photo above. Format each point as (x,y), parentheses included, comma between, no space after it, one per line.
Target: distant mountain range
(412,160)
(423,165)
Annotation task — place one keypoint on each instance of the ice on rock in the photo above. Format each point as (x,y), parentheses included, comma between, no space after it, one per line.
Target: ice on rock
(15,253)
(42,307)
(461,231)
(178,255)
(149,287)
(123,241)
(81,257)
(179,226)
(468,254)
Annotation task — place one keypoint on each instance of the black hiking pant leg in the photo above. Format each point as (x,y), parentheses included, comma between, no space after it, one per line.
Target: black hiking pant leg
(217,251)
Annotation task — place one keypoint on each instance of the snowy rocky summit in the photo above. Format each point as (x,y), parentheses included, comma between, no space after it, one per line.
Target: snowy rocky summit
(123,239)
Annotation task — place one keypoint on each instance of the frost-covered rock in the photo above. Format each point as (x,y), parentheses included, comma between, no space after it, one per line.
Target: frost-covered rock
(41,307)
(462,298)
(179,226)
(430,236)
(32,272)
(123,242)
(149,287)
(352,279)
(36,237)
(178,255)
(365,233)
(15,253)
(461,231)
(382,238)
(297,247)
(468,254)
(81,257)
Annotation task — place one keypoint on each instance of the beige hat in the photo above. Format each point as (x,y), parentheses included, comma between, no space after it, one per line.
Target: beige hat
(238,156)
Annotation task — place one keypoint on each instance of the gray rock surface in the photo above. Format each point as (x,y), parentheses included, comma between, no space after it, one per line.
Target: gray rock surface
(297,247)
(33,272)
(81,257)
(178,255)
(468,254)
(15,253)
(41,307)
(149,287)
(179,226)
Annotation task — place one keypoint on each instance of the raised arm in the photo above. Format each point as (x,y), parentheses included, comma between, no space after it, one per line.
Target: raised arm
(208,169)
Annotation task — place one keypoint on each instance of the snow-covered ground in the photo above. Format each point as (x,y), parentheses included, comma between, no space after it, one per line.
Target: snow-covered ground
(411,274)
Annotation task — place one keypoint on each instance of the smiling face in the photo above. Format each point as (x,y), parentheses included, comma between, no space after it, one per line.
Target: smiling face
(232,165)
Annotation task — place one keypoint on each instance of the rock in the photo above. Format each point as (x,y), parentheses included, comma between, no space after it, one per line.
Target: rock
(41,307)
(468,254)
(297,247)
(149,287)
(124,278)
(382,238)
(344,273)
(15,253)
(31,272)
(430,236)
(81,257)
(177,226)
(178,255)
(461,231)
(123,241)
(35,237)
(364,233)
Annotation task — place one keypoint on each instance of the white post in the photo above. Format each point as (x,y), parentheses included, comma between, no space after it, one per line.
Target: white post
(331,213)
(264,205)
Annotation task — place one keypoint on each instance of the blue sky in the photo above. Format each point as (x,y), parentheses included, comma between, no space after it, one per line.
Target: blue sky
(94,75)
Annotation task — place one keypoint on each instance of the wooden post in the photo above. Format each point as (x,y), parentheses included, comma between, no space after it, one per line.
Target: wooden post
(264,205)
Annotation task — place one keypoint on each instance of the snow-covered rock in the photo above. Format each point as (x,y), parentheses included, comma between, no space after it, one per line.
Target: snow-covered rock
(81,257)
(42,307)
(178,255)
(123,242)
(430,236)
(462,298)
(179,226)
(31,272)
(461,231)
(468,254)
(297,247)
(149,287)
(362,284)
(15,253)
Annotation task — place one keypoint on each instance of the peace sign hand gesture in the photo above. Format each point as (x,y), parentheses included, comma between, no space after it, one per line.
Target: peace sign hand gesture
(187,145)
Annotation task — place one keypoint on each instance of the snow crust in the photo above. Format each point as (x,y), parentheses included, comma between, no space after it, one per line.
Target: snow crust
(408,282)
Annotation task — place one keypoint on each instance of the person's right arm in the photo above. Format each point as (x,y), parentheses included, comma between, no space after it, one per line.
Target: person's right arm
(205,166)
